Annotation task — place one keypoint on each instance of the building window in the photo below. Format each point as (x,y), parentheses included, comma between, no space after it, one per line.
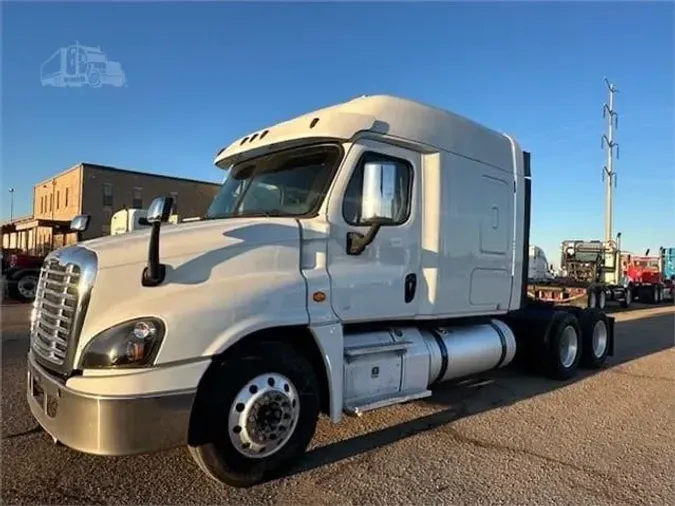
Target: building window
(66,199)
(174,196)
(137,201)
(51,202)
(58,200)
(107,195)
(42,205)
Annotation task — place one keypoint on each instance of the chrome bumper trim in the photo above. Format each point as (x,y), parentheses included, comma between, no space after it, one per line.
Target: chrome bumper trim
(107,425)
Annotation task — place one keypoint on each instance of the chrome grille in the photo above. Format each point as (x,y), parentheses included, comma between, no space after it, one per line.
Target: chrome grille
(61,301)
(55,309)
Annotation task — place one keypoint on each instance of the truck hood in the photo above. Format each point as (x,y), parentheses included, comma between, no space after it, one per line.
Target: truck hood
(186,239)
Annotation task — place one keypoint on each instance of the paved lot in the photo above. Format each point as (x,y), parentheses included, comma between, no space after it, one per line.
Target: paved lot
(503,439)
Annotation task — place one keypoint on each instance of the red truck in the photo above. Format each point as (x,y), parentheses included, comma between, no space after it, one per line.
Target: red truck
(20,273)
(646,278)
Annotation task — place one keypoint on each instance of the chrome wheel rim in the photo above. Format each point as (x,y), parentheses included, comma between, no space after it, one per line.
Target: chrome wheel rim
(628,297)
(603,300)
(27,286)
(599,338)
(263,415)
(569,346)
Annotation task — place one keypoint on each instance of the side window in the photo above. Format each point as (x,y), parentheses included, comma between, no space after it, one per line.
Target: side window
(137,200)
(107,194)
(403,182)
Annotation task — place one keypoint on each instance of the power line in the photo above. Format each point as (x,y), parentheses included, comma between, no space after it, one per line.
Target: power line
(608,174)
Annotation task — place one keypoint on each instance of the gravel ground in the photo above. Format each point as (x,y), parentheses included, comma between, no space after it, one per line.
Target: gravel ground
(504,438)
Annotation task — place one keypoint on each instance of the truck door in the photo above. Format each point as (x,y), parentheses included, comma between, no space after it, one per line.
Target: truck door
(383,282)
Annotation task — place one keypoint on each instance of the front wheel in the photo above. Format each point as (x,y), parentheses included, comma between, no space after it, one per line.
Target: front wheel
(24,288)
(255,415)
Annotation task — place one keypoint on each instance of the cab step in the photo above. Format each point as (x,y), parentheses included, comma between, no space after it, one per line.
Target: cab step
(381,402)
(370,349)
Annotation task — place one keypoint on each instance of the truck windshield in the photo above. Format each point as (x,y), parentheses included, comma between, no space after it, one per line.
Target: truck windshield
(293,182)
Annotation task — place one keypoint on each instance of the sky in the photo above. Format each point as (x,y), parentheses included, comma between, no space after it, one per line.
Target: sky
(198,76)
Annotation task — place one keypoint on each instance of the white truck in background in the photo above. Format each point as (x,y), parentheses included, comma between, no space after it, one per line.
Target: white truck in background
(355,257)
(539,268)
(128,220)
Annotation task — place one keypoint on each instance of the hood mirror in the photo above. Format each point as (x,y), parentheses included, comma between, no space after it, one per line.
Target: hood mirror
(160,210)
(158,213)
(80,223)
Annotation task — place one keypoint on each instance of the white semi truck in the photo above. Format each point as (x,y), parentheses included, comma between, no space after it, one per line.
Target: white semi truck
(354,258)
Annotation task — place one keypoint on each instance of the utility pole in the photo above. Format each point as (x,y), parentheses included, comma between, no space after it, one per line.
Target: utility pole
(608,174)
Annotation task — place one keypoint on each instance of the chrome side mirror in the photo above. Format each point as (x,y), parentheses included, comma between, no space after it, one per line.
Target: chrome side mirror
(379,193)
(160,210)
(80,223)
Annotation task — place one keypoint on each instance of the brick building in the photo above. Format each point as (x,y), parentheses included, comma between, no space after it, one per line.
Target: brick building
(99,191)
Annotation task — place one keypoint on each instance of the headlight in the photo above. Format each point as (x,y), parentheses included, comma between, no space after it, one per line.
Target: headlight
(130,344)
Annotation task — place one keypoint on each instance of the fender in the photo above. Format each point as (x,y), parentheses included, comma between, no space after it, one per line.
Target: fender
(329,342)
(14,273)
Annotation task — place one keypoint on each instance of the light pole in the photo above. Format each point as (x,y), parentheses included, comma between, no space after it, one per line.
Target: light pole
(11,204)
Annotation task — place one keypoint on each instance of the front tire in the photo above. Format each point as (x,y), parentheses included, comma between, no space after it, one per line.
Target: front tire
(24,288)
(255,415)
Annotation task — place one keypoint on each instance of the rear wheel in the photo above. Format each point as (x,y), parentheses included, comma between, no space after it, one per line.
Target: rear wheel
(563,350)
(592,298)
(595,338)
(255,415)
(602,298)
(627,297)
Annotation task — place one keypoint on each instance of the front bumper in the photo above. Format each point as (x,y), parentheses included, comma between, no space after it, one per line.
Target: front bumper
(108,425)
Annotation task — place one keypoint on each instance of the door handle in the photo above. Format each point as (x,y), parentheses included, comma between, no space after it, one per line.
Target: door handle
(410,287)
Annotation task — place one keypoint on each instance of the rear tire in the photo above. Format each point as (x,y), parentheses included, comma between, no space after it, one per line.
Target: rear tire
(255,415)
(627,299)
(602,298)
(563,346)
(595,338)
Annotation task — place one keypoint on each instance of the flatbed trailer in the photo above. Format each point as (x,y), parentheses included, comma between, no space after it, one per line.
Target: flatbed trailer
(643,278)
(579,293)
(589,268)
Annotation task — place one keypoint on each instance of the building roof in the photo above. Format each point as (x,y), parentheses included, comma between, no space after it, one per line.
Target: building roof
(128,171)
(150,174)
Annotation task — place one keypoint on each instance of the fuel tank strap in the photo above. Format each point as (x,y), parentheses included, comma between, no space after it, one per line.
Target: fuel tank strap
(444,355)
(502,339)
